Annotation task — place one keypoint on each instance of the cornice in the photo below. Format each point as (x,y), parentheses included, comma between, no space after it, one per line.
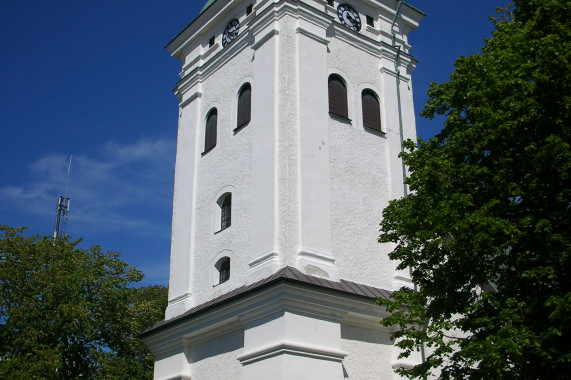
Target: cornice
(274,297)
(199,73)
(254,34)
(190,99)
(203,65)
(293,348)
(312,35)
(260,41)
(263,258)
(203,21)
(360,41)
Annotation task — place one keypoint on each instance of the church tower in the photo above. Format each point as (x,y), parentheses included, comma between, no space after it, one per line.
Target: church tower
(292,115)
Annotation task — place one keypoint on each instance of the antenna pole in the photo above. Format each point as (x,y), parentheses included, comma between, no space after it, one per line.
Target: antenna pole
(62,209)
(67,178)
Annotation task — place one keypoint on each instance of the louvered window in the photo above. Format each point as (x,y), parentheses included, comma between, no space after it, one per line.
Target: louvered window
(226,212)
(210,130)
(338,97)
(370,21)
(371,110)
(244,105)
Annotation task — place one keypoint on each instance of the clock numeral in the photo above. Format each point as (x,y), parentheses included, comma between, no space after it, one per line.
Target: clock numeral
(231,32)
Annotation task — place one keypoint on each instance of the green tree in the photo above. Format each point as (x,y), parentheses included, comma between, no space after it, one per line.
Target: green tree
(485,230)
(70,313)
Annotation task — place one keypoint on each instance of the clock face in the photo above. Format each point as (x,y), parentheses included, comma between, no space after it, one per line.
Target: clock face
(231,32)
(349,17)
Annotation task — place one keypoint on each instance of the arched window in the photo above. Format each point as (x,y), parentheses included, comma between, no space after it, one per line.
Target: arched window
(244,105)
(371,110)
(210,130)
(226,211)
(338,97)
(223,266)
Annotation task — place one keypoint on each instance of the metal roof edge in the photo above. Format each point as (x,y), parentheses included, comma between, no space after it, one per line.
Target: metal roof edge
(203,10)
(414,8)
(286,274)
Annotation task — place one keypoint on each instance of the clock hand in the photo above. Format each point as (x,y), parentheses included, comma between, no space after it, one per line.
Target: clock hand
(349,19)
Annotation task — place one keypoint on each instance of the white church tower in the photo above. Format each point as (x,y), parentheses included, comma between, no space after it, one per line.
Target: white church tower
(291,119)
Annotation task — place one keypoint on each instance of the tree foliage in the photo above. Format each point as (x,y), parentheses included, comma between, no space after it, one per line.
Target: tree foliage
(69,313)
(486,228)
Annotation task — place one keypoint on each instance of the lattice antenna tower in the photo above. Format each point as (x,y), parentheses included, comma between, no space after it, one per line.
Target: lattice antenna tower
(62,208)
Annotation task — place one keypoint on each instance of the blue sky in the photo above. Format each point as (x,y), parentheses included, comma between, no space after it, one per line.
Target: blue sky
(93,80)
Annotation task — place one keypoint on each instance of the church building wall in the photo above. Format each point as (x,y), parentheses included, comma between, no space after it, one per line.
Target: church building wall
(360,172)
(362,344)
(295,191)
(225,168)
(215,359)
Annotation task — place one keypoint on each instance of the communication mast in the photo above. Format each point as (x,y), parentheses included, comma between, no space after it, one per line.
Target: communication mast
(62,209)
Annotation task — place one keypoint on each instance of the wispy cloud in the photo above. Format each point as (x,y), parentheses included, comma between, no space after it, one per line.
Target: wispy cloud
(123,187)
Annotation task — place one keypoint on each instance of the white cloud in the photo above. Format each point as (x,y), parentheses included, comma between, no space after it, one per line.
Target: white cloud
(144,150)
(124,187)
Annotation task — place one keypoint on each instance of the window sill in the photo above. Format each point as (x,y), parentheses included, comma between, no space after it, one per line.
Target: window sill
(240,127)
(208,150)
(340,117)
(372,29)
(375,131)
(221,283)
(224,229)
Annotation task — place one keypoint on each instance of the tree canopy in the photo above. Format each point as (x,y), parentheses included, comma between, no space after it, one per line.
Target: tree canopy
(70,313)
(485,230)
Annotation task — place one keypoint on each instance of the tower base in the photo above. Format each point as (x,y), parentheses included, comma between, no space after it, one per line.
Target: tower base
(287,326)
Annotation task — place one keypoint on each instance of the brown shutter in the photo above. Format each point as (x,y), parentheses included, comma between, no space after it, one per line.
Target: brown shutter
(244,105)
(338,97)
(210,131)
(371,110)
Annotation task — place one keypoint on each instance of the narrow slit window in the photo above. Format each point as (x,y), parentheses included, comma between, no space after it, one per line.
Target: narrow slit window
(338,97)
(371,110)
(226,212)
(210,130)
(224,270)
(244,105)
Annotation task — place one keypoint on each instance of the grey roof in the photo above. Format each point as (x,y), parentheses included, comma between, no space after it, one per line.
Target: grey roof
(289,274)
(208,3)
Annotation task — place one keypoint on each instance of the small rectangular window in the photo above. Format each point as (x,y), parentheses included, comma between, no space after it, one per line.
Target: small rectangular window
(370,21)
(211,41)
(249,9)
(330,2)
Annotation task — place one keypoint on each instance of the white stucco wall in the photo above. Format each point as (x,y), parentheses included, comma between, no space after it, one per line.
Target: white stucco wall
(307,189)
(365,169)
(370,351)
(225,168)
(215,359)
